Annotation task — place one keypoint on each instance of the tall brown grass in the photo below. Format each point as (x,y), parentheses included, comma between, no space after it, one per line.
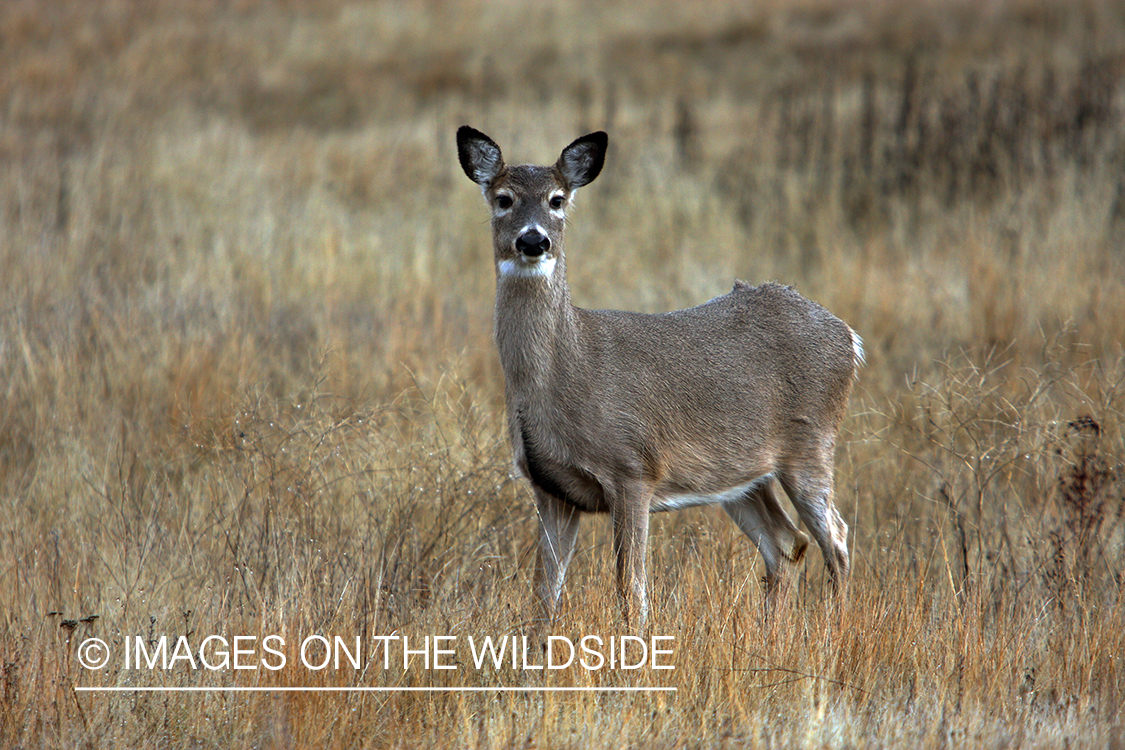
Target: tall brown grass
(247,384)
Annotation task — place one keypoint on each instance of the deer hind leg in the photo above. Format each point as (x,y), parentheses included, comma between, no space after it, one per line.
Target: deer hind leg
(761,518)
(558,531)
(811,491)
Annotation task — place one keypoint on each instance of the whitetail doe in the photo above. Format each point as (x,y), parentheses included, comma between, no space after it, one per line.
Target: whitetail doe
(626,413)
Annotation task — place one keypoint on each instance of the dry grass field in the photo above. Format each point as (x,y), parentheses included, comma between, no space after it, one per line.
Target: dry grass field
(247,383)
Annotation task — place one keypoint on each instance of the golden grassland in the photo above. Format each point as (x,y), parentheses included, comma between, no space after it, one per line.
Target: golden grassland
(247,385)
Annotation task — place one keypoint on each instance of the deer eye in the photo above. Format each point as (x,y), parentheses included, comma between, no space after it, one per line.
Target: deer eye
(503,201)
(556,202)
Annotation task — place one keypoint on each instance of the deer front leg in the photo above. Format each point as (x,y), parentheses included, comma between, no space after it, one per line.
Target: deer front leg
(558,531)
(630,541)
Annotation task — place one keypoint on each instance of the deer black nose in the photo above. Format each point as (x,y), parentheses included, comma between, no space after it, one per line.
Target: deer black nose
(532,243)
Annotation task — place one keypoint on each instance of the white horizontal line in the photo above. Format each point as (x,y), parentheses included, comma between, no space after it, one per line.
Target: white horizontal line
(158,689)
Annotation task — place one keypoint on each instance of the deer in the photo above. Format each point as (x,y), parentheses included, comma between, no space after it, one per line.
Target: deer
(628,414)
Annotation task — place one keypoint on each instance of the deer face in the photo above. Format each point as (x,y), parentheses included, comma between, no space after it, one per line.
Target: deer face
(528,215)
(528,203)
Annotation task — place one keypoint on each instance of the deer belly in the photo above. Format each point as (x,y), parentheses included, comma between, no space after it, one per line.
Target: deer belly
(690,499)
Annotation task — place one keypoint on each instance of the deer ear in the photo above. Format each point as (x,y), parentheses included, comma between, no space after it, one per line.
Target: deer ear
(479,155)
(582,160)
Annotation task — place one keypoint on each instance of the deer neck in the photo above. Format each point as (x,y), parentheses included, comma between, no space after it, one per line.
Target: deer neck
(536,325)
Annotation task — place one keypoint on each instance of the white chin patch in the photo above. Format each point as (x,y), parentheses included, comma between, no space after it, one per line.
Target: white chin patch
(542,267)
